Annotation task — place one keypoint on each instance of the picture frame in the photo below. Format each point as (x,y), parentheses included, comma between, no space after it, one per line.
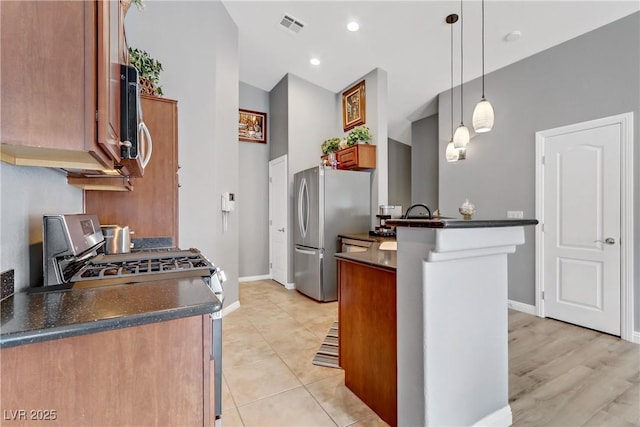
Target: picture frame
(252,126)
(354,106)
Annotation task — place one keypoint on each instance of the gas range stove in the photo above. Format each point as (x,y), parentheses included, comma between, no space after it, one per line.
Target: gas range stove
(70,258)
(141,267)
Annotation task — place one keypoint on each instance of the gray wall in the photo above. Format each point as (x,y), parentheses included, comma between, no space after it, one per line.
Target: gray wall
(253,199)
(197,44)
(279,120)
(589,77)
(424,162)
(376,92)
(399,174)
(27,194)
(303,115)
(311,120)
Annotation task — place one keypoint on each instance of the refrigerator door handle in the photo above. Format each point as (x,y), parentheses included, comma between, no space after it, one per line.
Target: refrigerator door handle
(303,207)
(305,251)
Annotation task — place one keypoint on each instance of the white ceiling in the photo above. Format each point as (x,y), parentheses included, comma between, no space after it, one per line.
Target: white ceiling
(408,39)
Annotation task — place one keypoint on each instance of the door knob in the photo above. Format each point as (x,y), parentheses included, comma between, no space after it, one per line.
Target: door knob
(607,241)
(281,229)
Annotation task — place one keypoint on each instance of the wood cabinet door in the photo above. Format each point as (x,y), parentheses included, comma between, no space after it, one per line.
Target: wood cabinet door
(151,209)
(368,335)
(110,54)
(357,157)
(47,89)
(150,375)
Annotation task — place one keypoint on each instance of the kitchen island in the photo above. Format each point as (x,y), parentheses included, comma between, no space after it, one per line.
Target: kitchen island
(129,354)
(367,322)
(452,320)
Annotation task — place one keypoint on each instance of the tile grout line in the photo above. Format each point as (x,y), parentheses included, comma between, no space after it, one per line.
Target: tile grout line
(298,323)
(289,368)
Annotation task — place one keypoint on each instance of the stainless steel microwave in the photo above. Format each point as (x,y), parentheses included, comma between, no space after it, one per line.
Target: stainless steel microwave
(136,145)
(129,94)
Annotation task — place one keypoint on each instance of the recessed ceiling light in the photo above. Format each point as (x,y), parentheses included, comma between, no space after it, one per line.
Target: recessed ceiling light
(513,36)
(353,26)
(314,61)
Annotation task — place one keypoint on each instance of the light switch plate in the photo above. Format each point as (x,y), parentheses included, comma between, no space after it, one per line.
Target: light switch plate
(515,214)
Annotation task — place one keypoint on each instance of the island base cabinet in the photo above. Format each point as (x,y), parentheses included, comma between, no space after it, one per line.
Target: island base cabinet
(152,375)
(367,337)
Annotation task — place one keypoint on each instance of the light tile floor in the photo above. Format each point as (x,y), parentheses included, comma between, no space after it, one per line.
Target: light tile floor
(559,374)
(268,378)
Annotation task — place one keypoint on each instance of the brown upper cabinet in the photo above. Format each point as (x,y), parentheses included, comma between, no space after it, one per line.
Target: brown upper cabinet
(111,52)
(357,157)
(151,210)
(60,85)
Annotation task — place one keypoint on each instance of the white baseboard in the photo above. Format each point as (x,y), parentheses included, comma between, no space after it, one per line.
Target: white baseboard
(230,308)
(254,278)
(531,309)
(520,306)
(290,286)
(501,417)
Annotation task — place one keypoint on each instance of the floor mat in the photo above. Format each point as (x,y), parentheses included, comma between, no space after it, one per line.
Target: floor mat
(327,355)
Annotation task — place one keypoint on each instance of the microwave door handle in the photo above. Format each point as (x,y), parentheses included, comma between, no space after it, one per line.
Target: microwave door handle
(148,144)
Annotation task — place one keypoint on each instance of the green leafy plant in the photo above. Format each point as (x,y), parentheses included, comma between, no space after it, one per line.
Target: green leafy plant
(359,133)
(330,145)
(148,67)
(139,4)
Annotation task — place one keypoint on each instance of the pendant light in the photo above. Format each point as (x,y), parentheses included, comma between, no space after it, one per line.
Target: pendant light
(451,154)
(483,116)
(461,136)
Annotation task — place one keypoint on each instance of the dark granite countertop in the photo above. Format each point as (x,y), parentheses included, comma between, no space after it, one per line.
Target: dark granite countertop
(30,317)
(368,237)
(374,257)
(460,223)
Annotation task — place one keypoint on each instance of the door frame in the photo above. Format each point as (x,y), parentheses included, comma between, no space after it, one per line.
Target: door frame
(285,190)
(626,215)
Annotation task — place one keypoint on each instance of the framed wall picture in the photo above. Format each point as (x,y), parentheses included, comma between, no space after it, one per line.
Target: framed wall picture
(252,126)
(353,106)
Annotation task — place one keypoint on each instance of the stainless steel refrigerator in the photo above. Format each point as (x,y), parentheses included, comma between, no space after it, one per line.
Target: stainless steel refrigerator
(328,202)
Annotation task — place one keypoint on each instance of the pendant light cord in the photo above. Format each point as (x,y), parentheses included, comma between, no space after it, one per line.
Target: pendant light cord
(451,24)
(482,49)
(461,63)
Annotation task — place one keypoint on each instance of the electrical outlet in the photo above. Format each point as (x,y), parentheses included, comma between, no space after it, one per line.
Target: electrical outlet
(7,287)
(515,214)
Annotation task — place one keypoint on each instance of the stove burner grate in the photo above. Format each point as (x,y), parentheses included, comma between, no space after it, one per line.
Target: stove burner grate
(133,267)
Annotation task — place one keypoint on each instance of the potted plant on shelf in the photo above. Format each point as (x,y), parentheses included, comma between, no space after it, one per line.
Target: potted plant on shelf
(148,71)
(359,135)
(330,145)
(127,3)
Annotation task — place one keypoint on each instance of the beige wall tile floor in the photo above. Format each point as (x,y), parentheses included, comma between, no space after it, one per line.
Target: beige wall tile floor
(559,374)
(269,380)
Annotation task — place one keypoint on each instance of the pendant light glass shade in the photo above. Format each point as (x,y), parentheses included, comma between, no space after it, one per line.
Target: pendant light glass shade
(461,137)
(452,153)
(483,116)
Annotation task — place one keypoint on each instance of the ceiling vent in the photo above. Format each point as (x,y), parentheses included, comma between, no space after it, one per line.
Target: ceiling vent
(292,24)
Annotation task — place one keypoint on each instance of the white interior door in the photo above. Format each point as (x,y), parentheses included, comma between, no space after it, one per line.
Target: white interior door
(582,252)
(278,233)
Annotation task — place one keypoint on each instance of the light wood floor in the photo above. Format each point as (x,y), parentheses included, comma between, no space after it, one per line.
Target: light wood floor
(559,374)
(564,375)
